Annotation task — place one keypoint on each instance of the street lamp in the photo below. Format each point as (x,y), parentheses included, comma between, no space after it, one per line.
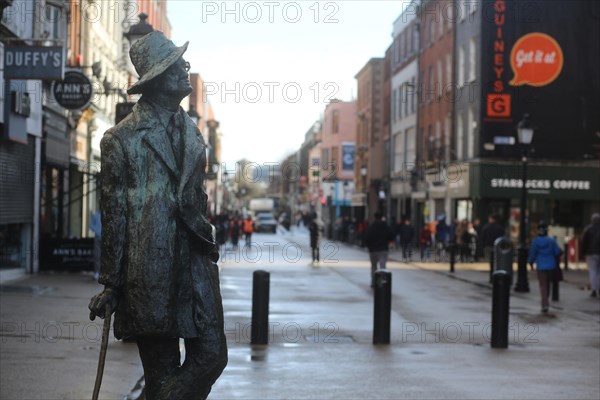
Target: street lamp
(193,114)
(525,133)
(363,174)
(137,31)
(215,170)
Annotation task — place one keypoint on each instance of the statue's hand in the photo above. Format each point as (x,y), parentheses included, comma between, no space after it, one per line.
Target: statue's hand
(103,304)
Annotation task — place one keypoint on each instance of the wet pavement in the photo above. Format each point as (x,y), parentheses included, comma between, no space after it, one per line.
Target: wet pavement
(320,333)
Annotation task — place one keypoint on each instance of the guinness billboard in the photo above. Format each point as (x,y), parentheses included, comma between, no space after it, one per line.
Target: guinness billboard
(541,57)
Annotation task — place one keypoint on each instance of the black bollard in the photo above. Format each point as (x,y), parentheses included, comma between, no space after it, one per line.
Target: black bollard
(260,307)
(382,307)
(500,308)
(503,256)
(452,256)
(566,255)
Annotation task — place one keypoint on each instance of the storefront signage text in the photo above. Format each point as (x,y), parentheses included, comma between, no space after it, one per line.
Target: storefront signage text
(28,62)
(536,60)
(498,102)
(558,184)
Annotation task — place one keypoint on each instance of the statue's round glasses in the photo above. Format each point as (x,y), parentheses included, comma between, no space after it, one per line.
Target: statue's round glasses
(187,66)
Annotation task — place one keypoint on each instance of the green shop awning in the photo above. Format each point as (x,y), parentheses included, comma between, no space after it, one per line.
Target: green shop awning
(503,180)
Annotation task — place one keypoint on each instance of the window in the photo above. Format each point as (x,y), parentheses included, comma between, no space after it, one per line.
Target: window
(430,88)
(410,154)
(421,145)
(325,158)
(440,25)
(438,140)
(413,94)
(472,60)
(459,136)
(398,152)
(449,70)
(474,6)
(463,9)
(431,31)
(405,99)
(451,13)
(411,43)
(393,108)
(399,102)
(461,66)
(430,144)
(447,139)
(52,22)
(335,121)
(470,133)
(439,78)
(401,47)
(422,87)
(334,157)
(415,39)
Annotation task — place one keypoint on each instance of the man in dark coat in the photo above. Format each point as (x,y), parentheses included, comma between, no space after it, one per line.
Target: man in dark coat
(377,239)
(407,236)
(158,253)
(490,232)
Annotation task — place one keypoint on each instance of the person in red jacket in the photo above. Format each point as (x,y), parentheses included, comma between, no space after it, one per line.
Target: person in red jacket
(248,228)
(425,242)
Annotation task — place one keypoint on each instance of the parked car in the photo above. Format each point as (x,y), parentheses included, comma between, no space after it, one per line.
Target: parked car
(265,222)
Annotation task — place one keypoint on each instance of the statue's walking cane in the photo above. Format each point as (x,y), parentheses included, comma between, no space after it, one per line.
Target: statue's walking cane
(102,357)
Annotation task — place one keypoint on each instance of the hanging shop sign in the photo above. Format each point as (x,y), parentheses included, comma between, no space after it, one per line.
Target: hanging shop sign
(30,62)
(74,92)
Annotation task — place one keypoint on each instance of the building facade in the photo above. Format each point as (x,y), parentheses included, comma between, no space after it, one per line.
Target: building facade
(371,157)
(436,103)
(509,66)
(403,111)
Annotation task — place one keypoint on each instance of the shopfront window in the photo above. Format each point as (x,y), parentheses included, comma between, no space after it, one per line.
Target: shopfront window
(464,210)
(12,246)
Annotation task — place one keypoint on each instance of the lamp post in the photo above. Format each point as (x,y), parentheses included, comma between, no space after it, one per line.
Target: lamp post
(215,171)
(137,31)
(363,174)
(193,114)
(525,132)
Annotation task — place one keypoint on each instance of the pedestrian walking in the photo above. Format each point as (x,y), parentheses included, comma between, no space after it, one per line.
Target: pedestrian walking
(96,227)
(248,229)
(377,240)
(478,247)
(543,253)
(490,232)
(234,231)
(590,248)
(407,235)
(441,236)
(425,242)
(314,239)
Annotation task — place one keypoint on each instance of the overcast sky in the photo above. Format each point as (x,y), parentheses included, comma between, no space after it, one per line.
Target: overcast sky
(271,66)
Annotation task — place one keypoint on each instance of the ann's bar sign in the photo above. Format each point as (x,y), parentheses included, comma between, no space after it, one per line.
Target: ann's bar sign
(25,62)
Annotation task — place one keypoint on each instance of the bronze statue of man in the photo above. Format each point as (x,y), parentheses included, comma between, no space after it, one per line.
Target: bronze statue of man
(158,252)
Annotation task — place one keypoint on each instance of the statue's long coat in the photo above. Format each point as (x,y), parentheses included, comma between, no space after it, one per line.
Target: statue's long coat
(155,237)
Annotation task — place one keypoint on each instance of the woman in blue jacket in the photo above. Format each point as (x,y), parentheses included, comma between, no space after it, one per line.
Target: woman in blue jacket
(544,251)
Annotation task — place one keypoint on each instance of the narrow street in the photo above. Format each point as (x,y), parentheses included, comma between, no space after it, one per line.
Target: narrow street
(321,322)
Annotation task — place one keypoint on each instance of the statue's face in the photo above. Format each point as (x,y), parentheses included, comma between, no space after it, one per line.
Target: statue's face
(176,79)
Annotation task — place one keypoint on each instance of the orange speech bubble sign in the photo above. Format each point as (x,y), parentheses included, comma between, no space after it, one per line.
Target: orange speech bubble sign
(536,60)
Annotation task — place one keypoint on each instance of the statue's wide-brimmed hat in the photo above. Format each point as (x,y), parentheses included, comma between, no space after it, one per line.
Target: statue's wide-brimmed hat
(151,56)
